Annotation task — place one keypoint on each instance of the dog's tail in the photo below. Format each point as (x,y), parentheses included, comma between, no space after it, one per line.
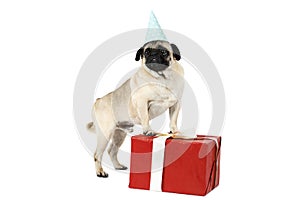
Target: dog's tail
(91,127)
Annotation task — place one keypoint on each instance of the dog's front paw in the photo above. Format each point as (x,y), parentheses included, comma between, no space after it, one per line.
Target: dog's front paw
(174,132)
(149,133)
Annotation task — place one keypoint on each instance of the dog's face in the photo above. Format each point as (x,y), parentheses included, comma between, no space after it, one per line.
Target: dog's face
(158,55)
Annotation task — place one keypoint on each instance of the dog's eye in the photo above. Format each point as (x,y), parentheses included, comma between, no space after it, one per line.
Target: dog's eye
(147,52)
(164,52)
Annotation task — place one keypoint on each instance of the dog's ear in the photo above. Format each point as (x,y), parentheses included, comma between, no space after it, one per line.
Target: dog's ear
(176,52)
(139,54)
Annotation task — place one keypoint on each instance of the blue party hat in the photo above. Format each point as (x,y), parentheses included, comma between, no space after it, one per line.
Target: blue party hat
(154,31)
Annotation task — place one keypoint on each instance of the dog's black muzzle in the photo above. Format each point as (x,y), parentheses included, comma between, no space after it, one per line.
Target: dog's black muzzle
(156,61)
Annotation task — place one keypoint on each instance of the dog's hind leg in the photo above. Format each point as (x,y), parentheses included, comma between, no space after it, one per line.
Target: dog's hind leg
(117,140)
(101,146)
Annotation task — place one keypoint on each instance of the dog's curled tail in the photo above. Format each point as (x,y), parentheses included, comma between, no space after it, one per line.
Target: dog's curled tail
(91,127)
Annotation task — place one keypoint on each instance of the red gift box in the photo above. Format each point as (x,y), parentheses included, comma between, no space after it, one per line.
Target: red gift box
(190,166)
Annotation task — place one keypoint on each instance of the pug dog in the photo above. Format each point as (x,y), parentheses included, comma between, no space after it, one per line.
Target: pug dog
(157,86)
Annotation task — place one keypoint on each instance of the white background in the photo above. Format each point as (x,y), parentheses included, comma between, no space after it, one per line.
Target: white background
(254,44)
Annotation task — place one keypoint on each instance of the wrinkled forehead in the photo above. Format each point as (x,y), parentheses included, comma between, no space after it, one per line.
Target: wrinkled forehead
(158,45)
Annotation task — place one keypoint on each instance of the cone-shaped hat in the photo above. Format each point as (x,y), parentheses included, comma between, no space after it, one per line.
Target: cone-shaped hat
(154,31)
